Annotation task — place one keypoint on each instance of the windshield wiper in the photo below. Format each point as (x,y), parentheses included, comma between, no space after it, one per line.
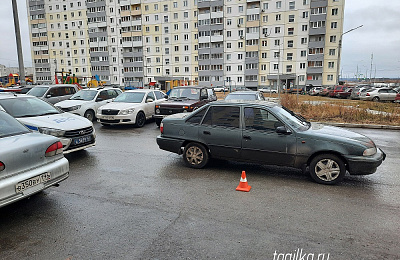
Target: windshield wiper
(79,98)
(50,113)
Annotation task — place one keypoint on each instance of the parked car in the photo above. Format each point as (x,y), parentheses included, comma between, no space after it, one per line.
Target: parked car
(345,93)
(268,133)
(221,89)
(29,162)
(85,102)
(315,91)
(397,98)
(335,90)
(75,132)
(325,91)
(132,107)
(245,95)
(268,90)
(183,99)
(356,93)
(379,94)
(54,93)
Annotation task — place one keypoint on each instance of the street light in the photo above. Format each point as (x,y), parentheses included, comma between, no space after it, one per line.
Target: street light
(339,48)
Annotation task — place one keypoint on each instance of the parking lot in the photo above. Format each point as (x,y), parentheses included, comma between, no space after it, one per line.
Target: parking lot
(127,199)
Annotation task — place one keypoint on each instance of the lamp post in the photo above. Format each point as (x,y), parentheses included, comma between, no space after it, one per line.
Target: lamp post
(339,49)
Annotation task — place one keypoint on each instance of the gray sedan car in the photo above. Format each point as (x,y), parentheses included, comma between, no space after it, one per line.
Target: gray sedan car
(268,133)
(29,162)
(379,94)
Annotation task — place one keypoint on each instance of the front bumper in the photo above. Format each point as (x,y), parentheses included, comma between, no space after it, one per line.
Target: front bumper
(158,116)
(117,119)
(364,165)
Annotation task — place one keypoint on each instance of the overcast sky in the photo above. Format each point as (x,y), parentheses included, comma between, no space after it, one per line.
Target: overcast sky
(380,36)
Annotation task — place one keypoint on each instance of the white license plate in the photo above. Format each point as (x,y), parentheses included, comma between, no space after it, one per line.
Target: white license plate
(81,140)
(26,184)
(109,117)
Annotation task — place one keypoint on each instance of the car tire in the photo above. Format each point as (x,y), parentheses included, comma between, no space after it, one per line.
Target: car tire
(89,114)
(376,99)
(195,155)
(327,169)
(140,119)
(158,121)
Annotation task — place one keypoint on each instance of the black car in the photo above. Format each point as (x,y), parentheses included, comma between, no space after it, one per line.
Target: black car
(268,133)
(183,99)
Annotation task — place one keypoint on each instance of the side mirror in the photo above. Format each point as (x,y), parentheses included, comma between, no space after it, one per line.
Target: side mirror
(148,100)
(166,96)
(99,99)
(48,96)
(283,130)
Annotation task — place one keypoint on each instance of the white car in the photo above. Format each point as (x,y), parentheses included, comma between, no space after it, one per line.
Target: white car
(75,132)
(268,90)
(86,101)
(131,107)
(221,89)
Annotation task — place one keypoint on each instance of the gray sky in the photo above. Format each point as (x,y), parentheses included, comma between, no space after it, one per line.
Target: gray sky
(380,36)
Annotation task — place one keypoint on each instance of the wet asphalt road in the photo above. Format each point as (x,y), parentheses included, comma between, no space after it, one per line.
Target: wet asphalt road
(126,199)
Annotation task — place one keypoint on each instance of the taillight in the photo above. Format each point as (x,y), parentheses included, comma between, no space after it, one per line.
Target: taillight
(162,128)
(367,94)
(54,149)
(2,166)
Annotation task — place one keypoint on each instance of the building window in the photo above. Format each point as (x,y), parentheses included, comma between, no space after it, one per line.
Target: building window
(278,4)
(332,52)
(302,65)
(290,31)
(277,17)
(331,64)
(290,44)
(289,68)
(289,56)
(332,38)
(330,77)
(334,11)
(291,18)
(333,25)
(292,5)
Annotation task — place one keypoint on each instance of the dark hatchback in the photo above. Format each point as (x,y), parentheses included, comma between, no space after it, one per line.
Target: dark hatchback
(268,133)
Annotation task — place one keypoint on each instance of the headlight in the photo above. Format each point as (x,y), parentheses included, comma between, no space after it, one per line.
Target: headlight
(74,108)
(157,111)
(127,111)
(99,111)
(51,131)
(369,151)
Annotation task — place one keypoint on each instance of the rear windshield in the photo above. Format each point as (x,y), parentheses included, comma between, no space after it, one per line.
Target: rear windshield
(10,126)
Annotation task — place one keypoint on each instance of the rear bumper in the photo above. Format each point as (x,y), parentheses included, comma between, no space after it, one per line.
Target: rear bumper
(170,144)
(59,171)
(364,165)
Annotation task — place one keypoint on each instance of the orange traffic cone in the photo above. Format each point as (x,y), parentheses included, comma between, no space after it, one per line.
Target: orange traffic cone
(243,186)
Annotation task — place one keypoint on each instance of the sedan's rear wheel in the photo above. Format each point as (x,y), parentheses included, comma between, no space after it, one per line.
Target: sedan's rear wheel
(375,99)
(195,155)
(327,169)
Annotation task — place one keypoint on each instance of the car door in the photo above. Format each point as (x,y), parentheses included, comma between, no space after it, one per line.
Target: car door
(101,99)
(392,94)
(261,142)
(220,131)
(149,105)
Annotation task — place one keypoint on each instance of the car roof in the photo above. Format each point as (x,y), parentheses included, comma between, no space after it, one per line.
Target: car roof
(56,85)
(244,102)
(8,95)
(139,90)
(243,92)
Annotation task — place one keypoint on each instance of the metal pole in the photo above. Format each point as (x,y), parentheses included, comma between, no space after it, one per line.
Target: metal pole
(19,46)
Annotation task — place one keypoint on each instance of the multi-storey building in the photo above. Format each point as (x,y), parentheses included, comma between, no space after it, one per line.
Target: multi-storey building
(236,43)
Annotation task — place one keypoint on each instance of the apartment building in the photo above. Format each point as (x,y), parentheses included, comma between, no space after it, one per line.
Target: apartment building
(236,43)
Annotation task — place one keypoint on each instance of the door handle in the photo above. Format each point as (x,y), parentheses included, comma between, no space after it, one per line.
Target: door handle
(206,133)
(246,137)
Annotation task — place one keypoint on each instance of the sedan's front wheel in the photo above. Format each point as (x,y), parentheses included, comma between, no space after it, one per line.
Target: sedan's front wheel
(140,119)
(327,169)
(195,155)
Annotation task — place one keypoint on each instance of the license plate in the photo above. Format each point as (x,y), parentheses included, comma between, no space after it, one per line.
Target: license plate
(26,184)
(109,117)
(81,140)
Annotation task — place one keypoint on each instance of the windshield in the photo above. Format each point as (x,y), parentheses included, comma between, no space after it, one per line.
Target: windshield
(86,95)
(241,97)
(130,97)
(297,122)
(9,126)
(27,107)
(189,93)
(38,91)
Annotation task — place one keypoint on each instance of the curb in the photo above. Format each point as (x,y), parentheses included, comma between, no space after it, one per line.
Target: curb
(389,127)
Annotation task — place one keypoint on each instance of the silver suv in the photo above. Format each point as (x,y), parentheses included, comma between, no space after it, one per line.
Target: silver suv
(54,93)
